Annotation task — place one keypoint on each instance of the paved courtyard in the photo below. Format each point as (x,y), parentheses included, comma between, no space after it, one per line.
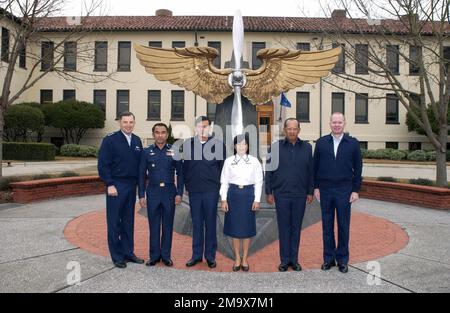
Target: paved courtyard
(38,256)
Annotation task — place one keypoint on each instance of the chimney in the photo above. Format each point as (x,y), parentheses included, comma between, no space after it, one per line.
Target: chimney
(339,14)
(409,17)
(163,12)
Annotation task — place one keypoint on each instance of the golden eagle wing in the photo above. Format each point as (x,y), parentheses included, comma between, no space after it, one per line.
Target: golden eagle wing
(190,68)
(285,69)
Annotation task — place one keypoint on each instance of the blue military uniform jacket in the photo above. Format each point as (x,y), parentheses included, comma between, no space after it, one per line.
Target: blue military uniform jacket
(117,160)
(159,166)
(346,167)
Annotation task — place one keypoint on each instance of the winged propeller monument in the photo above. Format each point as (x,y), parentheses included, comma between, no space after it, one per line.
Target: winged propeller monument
(192,68)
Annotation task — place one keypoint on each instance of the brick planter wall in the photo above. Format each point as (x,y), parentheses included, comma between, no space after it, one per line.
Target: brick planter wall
(431,197)
(39,190)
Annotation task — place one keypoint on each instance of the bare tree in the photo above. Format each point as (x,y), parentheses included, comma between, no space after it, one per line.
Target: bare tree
(28,29)
(394,31)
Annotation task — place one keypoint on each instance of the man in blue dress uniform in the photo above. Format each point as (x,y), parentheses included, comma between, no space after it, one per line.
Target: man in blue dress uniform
(202,166)
(118,163)
(159,164)
(337,173)
(290,187)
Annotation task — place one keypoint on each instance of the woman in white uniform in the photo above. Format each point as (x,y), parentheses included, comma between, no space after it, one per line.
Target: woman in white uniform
(241,187)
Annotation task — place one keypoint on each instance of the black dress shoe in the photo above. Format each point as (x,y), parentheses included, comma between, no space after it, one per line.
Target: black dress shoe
(135,259)
(245,268)
(327,266)
(211,264)
(120,264)
(343,268)
(296,267)
(283,267)
(236,268)
(152,262)
(168,262)
(192,262)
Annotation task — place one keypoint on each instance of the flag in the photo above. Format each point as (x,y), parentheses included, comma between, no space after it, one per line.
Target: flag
(284,101)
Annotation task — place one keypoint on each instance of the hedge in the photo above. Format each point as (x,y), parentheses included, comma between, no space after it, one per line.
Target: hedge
(26,151)
(79,151)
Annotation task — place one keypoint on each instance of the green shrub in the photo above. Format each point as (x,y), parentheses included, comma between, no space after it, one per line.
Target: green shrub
(397,155)
(387,179)
(69,174)
(74,118)
(79,151)
(5,181)
(25,151)
(21,121)
(418,155)
(431,156)
(41,176)
(364,153)
(422,182)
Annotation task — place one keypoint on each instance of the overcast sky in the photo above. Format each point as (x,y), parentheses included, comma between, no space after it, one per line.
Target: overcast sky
(206,7)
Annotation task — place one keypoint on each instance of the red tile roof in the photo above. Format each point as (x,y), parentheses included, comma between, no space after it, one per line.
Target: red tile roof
(225,23)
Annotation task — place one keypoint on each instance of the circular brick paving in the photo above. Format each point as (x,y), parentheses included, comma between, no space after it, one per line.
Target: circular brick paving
(371,238)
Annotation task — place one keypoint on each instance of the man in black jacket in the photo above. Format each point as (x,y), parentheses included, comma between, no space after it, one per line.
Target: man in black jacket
(289,184)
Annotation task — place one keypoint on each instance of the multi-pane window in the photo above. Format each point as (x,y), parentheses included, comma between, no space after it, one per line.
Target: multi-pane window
(392,145)
(218,46)
(5,45)
(362,59)
(23,55)
(363,145)
(413,146)
(70,56)
(69,94)
(447,58)
(47,55)
(101,56)
(304,46)
(392,109)
(340,65)
(361,108)
(303,107)
(211,109)
(256,46)
(177,105)
(124,64)
(154,105)
(338,102)
(414,59)
(178,44)
(46,96)
(123,102)
(155,44)
(392,59)
(100,99)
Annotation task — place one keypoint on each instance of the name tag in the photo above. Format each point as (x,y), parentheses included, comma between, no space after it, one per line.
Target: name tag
(170,153)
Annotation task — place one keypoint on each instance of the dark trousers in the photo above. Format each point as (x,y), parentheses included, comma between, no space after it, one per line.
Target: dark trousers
(161,211)
(204,220)
(290,212)
(336,200)
(120,221)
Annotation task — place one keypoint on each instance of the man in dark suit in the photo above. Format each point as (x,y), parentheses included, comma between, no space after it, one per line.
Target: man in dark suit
(337,173)
(289,184)
(202,166)
(159,164)
(118,163)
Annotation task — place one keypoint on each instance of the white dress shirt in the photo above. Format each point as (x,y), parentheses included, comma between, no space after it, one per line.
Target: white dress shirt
(336,142)
(128,138)
(242,171)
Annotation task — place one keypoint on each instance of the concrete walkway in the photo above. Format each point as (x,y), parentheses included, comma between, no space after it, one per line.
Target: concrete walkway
(35,257)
